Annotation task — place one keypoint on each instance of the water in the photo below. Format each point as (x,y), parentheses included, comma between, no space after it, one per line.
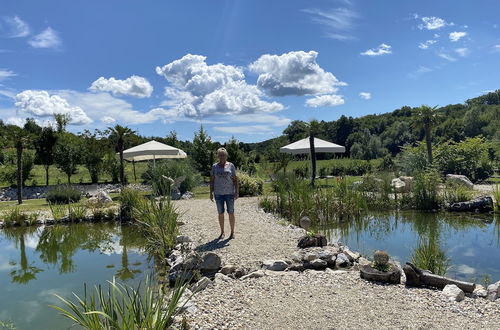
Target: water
(470,242)
(37,262)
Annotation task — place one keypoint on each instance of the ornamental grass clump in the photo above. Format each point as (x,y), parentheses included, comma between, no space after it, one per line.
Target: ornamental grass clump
(455,193)
(430,256)
(129,199)
(64,194)
(58,211)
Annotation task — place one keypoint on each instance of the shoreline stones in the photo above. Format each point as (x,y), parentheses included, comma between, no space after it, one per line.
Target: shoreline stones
(453,293)
(478,204)
(308,241)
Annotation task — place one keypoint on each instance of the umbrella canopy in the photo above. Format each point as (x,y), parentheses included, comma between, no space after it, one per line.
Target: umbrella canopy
(152,150)
(302,147)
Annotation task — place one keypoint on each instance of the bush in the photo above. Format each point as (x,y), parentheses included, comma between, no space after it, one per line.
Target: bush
(129,199)
(356,167)
(250,186)
(301,171)
(426,190)
(63,195)
(173,169)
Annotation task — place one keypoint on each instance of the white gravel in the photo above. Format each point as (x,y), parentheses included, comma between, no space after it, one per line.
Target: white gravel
(310,300)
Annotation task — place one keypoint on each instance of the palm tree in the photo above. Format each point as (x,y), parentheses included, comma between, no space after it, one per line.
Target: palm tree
(19,138)
(118,134)
(426,117)
(313,130)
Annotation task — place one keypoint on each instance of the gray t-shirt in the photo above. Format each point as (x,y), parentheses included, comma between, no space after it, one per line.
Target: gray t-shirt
(223,178)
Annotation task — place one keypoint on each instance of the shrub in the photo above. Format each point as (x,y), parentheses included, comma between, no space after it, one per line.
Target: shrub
(63,195)
(129,199)
(250,186)
(343,167)
(455,193)
(301,172)
(174,169)
(14,217)
(426,190)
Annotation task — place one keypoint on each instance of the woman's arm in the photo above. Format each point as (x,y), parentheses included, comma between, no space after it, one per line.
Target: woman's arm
(212,179)
(236,187)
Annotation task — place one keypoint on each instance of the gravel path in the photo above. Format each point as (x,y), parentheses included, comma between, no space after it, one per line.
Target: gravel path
(311,300)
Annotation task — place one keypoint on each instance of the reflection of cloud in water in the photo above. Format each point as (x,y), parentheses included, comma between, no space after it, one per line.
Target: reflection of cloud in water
(30,309)
(5,264)
(116,248)
(47,295)
(464,269)
(469,253)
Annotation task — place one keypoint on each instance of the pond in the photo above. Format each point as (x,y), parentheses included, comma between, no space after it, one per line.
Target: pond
(470,243)
(38,262)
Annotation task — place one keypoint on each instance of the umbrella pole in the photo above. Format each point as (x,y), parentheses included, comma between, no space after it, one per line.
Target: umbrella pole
(154,161)
(133,164)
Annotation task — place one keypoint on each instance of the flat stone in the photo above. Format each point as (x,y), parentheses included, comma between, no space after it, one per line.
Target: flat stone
(453,292)
(276,265)
(255,274)
(318,264)
(363,261)
(352,256)
(202,284)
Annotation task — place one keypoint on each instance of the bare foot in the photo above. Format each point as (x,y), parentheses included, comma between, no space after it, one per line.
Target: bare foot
(231,236)
(221,236)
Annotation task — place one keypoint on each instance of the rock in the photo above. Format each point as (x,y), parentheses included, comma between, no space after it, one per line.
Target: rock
(494,291)
(459,179)
(187,195)
(202,284)
(478,204)
(331,262)
(325,255)
(276,265)
(297,257)
(240,271)
(186,303)
(221,278)
(480,292)
(255,274)
(311,241)
(210,262)
(381,258)
(189,262)
(102,197)
(342,261)
(183,239)
(398,185)
(453,292)
(310,256)
(352,256)
(181,276)
(392,276)
(228,269)
(318,264)
(298,267)
(305,222)
(363,261)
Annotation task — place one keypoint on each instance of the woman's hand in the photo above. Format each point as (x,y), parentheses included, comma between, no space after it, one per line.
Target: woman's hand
(236,195)
(212,196)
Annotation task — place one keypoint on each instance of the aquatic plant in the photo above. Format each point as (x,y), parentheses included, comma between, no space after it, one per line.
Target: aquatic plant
(76,212)
(97,209)
(14,217)
(496,197)
(426,190)
(455,193)
(123,307)
(429,255)
(58,211)
(129,198)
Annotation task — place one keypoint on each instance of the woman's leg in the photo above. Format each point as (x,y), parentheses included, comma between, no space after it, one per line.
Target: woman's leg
(232,220)
(219,201)
(230,211)
(221,224)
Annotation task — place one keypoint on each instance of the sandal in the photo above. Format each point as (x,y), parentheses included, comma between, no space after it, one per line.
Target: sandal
(231,236)
(221,236)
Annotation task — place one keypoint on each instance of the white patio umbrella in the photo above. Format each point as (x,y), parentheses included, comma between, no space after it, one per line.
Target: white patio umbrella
(303,147)
(152,150)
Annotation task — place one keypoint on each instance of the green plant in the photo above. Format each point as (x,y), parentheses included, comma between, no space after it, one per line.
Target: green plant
(58,211)
(496,196)
(122,307)
(455,193)
(8,171)
(32,218)
(97,209)
(382,268)
(14,217)
(76,212)
(174,169)
(250,186)
(110,214)
(129,199)
(63,194)
(426,190)
(7,325)
(430,256)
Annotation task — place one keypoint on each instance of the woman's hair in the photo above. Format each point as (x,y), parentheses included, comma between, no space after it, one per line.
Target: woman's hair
(221,151)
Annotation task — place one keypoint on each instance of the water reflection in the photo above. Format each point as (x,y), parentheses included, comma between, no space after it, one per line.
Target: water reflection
(23,270)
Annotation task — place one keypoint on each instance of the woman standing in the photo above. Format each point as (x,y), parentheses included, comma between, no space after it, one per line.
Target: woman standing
(224,185)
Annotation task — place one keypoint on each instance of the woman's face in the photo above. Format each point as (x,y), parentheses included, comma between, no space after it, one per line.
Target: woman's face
(222,157)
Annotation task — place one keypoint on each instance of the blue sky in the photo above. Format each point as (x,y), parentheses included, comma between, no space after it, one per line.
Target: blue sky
(242,68)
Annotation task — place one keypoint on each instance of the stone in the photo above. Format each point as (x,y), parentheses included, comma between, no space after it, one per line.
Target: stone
(325,255)
(202,284)
(102,197)
(310,256)
(318,264)
(342,261)
(305,222)
(297,257)
(480,292)
(381,258)
(183,239)
(187,195)
(453,292)
(398,185)
(363,261)
(493,291)
(240,271)
(312,241)
(331,262)
(189,262)
(298,267)
(276,265)
(460,179)
(221,278)
(228,269)
(352,256)
(478,204)
(255,274)
(210,262)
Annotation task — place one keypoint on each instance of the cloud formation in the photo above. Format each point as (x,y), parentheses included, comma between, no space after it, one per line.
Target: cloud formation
(382,49)
(447,57)
(339,22)
(5,74)
(365,95)
(426,44)
(133,86)
(16,27)
(325,101)
(462,51)
(455,36)
(42,104)
(293,73)
(431,23)
(199,90)
(49,38)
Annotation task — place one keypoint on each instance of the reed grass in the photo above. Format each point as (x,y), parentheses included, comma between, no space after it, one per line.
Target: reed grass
(58,211)
(496,197)
(430,256)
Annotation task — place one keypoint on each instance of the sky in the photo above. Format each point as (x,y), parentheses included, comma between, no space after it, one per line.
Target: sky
(242,68)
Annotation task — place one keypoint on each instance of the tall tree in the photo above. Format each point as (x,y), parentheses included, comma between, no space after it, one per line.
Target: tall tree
(202,151)
(68,153)
(44,146)
(118,135)
(62,121)
(235,154)
(93,155)
(19,138)
(426,118)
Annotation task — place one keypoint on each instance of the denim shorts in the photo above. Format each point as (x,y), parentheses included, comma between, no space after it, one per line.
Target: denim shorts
(229,199)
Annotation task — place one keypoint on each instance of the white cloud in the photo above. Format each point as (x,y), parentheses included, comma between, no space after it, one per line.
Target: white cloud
(247,129)
(49,38)
(339,22)
(464,269)
(436,35)
(426,44)
(17,121)
(5,74)
(496,48)
(293,73)
(432,23)
(365,95)
(447,57)
(462,51)
(16,27)
(108,120)
(41,104)
(134,86)
(325,101)
(200,90)
(455,36)
(382,49)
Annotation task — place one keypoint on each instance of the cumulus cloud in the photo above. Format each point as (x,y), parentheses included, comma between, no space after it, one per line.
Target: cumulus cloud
(16,27)
(325,101)
(42,104)
(455,36)
(49,38)
(199,90)
(133,86)
(293,73)
(247,129)
(426,44)
(365,95)
(382,49)
(17,121)
(5,74)
(108,120)
(431,23)
(339,22)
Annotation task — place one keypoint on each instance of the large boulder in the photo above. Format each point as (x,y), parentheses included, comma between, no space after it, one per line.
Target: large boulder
(101,197)
(398,185)
(453,292)
(493,291)
(210,262)
(312,241)
(478,204)
(459,179)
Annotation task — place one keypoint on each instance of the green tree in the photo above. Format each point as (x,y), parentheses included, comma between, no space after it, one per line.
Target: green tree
(235,154)
(93,155)
(172,139)
(426,118)
(44,146)
(118,135)
(202,151)
(68,153)
(296,130)
(32,127)
(62,121)
(19,138)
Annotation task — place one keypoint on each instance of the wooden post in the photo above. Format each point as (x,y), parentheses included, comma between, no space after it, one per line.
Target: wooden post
(133,164)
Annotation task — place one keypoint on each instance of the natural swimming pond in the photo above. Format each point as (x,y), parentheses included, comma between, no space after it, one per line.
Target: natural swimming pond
(38,262)
(470,243)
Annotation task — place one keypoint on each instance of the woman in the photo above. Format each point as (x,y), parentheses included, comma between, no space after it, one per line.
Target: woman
(224,185)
